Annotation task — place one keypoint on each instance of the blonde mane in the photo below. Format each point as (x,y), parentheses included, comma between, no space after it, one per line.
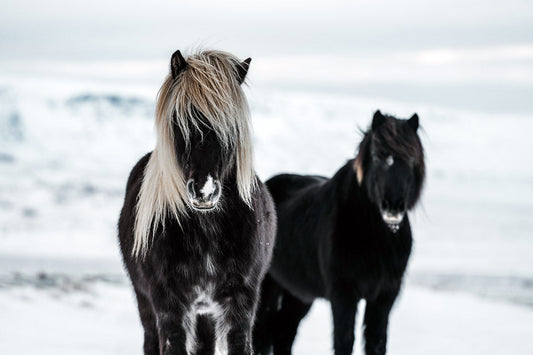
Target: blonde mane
(210,85)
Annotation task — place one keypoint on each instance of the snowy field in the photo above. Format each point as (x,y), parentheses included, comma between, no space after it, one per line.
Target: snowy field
(66,147)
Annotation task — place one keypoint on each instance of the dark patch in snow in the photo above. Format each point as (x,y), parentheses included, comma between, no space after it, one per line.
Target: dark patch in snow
(29,212)
(74,190)
(88,189)
(59,282)
(6,158)
(6,205)
(107,105)
(11,128)
(518,290)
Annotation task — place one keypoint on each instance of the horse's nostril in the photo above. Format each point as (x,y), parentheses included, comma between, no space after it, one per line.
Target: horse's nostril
(190,188)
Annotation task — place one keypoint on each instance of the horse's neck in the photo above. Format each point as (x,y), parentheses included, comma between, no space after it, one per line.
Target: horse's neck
(349,193)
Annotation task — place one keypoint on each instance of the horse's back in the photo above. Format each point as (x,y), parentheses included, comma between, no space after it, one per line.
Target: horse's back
(285,186)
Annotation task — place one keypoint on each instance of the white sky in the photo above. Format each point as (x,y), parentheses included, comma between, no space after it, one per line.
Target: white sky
(454,52)
(150,29)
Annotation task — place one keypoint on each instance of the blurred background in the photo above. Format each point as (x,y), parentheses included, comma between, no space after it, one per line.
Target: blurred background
(78,82)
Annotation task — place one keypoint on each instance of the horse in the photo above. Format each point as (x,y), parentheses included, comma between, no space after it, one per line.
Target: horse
(197,227)
(344,239)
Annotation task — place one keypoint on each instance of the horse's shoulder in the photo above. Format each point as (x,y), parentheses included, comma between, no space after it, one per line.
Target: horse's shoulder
(137,172)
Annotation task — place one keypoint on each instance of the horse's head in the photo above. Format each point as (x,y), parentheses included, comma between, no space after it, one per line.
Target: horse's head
(206,144)
(203,130)
(390,166)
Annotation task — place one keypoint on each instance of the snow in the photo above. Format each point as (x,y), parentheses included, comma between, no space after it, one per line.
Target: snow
(99,320)
(67,143)
(428,322)
(99,317)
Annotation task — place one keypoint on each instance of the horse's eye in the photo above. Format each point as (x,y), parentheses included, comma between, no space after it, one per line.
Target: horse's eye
(389,161)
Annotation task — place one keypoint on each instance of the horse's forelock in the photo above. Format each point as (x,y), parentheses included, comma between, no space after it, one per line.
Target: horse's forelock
(393,137)
(396,137)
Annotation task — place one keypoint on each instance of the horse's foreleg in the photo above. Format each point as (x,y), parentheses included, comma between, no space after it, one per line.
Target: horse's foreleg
(271,294)
(286,323)
(376,322)
(344,308)
(171,326)
(239,316)
(151,340)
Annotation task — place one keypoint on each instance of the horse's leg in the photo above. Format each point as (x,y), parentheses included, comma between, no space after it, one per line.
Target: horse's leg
(376,322)
(286,322)
(344,308)
(205,335)
(239,317)
(269,302)
(172,335)
(171,323)
(151,341)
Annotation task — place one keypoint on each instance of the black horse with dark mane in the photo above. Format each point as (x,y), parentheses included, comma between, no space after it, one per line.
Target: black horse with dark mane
(344,239)
(197,227)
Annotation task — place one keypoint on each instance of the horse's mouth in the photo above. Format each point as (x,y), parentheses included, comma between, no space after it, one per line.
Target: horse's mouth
(203,206)
(393,219)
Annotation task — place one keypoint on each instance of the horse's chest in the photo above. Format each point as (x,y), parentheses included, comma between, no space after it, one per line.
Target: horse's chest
(200,260)
(185,259)
(372,267)
(203,301)
(195,267)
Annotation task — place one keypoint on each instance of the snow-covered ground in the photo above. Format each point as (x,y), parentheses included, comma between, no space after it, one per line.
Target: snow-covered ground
(97,316)
(66,147)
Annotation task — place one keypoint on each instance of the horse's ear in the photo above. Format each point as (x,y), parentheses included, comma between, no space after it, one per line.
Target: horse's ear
(242,70)
(413,122)
(177,64)
(377,120)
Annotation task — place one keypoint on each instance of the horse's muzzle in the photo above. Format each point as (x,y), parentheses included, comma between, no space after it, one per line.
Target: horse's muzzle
(392,219)
(205,197)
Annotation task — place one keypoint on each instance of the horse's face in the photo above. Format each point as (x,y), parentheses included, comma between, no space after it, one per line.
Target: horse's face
(394,168)
(390,185)
(204,160)
(205,164)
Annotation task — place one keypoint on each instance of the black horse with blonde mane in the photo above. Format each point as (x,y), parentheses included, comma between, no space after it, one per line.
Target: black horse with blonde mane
(344,239)
(197,226)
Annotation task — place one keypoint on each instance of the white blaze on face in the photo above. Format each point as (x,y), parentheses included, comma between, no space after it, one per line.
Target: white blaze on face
(209,187)
(390,160)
